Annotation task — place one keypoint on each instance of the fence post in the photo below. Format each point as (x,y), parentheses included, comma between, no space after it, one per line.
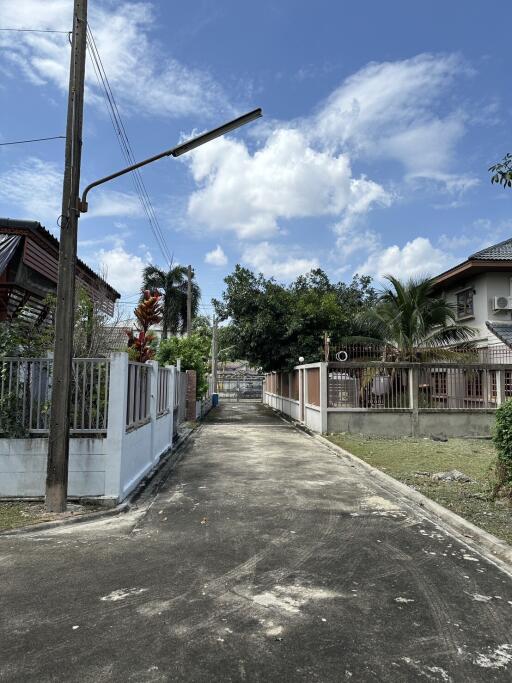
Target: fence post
(323,396)
(414,399)
(116,430)
(302,400)
(171,389)
(153,403)
(500,387)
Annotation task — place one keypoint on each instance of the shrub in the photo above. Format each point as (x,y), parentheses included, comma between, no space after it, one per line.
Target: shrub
(193,352)
(502,438)
(11,411)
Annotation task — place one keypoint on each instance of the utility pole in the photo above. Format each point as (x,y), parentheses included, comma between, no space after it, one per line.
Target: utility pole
(189,300)
(58,440)
(215,353)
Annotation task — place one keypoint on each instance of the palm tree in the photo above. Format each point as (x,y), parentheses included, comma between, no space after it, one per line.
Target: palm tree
(412,322)
(173,286)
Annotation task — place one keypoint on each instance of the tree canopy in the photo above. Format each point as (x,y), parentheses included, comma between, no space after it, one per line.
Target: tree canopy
(501,173)
(194,352)
(272,325)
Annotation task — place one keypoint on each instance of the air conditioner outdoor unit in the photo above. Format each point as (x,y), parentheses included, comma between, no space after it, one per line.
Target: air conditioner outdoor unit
(503,303)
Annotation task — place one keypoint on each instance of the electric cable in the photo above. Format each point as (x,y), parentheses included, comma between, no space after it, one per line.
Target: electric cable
(126,147)
(22,142)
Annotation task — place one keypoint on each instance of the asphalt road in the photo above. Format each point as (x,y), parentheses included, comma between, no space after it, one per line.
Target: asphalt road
(264,557)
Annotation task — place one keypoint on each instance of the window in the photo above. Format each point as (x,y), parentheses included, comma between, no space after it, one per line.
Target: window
(465,303)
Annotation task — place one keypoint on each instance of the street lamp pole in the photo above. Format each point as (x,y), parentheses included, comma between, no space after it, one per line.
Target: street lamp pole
(58,438)
(174,151)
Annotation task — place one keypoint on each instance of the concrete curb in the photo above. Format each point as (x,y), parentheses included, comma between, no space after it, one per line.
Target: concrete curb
(167,459)
(481,541)
(488,546)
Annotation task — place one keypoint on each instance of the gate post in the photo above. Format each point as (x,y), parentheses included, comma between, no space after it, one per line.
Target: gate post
(301,394)
(324,379)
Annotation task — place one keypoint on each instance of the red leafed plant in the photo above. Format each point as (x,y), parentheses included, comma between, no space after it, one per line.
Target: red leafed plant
(140,341)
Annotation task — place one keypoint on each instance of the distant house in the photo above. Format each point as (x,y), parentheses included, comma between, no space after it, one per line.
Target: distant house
(481,290)
(29,257)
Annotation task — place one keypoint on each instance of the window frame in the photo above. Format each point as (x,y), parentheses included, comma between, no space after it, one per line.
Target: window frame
(465,314)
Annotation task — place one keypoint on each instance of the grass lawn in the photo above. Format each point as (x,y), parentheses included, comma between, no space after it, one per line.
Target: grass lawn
(406,457)
(17,514)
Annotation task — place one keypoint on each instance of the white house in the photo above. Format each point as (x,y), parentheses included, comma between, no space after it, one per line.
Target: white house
(481,289)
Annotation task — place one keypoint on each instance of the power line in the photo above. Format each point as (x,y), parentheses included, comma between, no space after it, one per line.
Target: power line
(22,142)
(34,30)
(126,148)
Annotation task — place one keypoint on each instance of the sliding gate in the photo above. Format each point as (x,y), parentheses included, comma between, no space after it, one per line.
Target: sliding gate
(240,386)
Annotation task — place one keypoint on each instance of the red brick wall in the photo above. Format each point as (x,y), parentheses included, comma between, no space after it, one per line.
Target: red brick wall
(191,395)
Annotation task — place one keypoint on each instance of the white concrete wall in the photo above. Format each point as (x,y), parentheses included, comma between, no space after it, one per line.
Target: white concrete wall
(486,286)
(136,459)
(23,467)
(110,467)
(313,418)
(287,406)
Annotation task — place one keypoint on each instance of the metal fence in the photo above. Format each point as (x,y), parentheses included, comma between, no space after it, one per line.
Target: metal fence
(378,387)
(462,387)
(163,398)
(425,386)
(89,396)
(497,353)
(137,397)
(26,390)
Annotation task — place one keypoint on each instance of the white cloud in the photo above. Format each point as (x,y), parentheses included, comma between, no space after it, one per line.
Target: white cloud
(108,203)
(143,77)
(32,190)
(286,178)
(216,257)
(277,261)
(388,110)
(353,239)
(122,269)
(416,258)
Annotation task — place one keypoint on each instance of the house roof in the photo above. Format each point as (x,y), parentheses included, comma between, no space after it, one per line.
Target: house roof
(40,233)
(501,330)
(497,257)
(497,252)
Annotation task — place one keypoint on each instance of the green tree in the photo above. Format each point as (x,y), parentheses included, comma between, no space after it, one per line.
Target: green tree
(272,325)
(502,171)
(173,287)
(194,352)
(412,321)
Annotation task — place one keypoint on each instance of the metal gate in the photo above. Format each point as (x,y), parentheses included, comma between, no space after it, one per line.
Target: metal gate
(240,386)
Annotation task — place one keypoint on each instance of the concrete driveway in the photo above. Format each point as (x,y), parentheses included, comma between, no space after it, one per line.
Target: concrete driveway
(263,557)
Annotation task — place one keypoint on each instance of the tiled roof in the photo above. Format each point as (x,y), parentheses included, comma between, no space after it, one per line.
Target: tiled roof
(502,330)
(498,252)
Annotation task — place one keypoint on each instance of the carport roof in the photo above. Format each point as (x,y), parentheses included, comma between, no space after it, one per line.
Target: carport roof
(502,330)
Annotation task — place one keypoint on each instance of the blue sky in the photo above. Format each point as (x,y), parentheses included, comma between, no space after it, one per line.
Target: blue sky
(380,122)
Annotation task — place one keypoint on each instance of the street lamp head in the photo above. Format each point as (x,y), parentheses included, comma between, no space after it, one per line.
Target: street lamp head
(215,133)
(301,359)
